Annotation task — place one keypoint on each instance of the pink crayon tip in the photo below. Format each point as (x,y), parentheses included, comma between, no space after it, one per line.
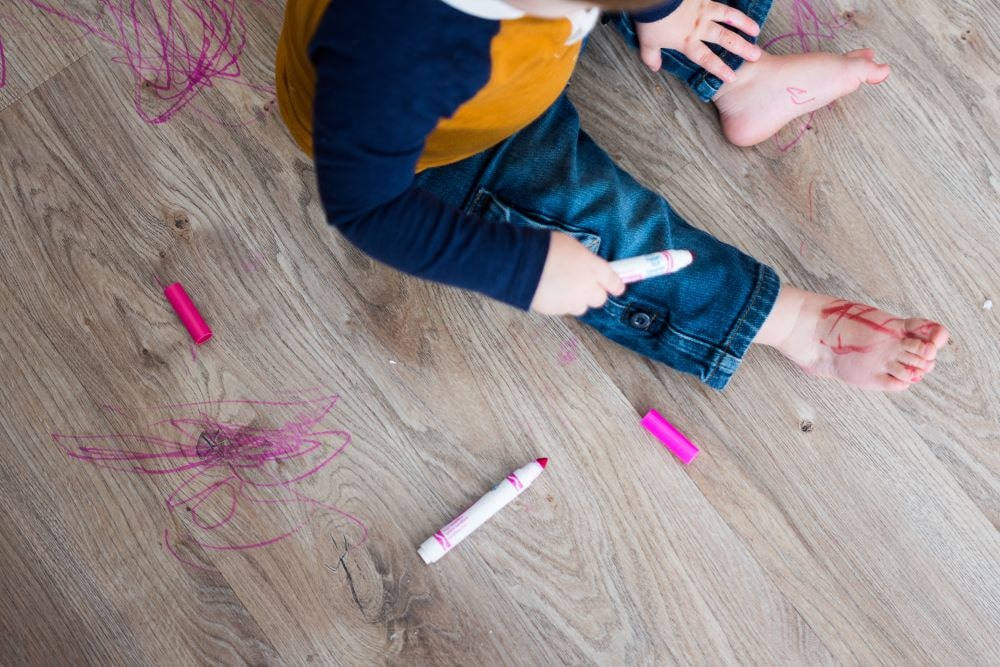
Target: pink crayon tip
(188,313)
(671,438)
(544,461)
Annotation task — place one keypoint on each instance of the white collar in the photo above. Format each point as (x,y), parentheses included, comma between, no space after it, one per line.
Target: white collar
(486,9)
(581,22)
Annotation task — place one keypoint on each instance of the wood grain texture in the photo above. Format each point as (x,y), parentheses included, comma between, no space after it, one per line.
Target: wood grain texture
(35,46)
(868,538)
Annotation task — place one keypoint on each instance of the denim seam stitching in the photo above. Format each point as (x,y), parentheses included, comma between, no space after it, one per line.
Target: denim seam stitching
(474,204)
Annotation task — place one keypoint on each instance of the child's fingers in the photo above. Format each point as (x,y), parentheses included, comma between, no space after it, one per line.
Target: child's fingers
(611,281)
(733,43)
(726,14)
(598,296)
(651,56)
(707,60)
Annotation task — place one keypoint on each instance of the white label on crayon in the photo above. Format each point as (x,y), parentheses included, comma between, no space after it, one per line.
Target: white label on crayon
(465,523)
(634,269)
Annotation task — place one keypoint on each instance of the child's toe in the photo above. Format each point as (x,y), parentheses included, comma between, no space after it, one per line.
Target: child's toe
(891,383)
(916,361)
(877,72)
(928,331)
(940,336)
(867,54)
(865,69)
(904,372)
(920,347)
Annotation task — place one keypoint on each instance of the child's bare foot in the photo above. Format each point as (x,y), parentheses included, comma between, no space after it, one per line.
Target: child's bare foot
(772,91)
(859,344)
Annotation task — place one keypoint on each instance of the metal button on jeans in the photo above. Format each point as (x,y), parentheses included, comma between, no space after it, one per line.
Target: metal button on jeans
(640,320)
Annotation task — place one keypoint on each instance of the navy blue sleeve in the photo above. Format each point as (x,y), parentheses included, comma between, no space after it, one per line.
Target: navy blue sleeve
(656,13)
(387,72)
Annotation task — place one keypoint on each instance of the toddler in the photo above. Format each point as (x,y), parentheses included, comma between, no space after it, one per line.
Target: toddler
(446,147)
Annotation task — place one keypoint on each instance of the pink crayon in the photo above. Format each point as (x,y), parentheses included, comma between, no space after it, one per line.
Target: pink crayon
(188,313)
(671,438)
(443,541)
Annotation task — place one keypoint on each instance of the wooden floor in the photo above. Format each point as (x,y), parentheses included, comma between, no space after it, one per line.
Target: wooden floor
(819,525)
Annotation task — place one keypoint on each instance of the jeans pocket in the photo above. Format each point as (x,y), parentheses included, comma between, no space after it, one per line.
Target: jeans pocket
(486,205)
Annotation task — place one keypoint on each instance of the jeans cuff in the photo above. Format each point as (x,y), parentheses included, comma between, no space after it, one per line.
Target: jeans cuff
(729,355)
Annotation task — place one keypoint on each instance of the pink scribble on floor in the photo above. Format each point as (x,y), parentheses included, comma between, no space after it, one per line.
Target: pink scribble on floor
(176,49)
(568,352)
(254,262)
(239,484)
(810,26)
(3,65)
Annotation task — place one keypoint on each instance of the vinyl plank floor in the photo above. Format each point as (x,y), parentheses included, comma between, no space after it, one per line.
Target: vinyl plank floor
(819,525)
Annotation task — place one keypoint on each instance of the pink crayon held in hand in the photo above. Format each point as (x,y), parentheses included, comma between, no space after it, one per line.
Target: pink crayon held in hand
(634,269)
(188,314)
(462,526)
(671,438)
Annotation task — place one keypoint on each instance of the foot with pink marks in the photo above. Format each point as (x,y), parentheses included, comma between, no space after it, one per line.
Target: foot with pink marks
(773,91)
(859,344)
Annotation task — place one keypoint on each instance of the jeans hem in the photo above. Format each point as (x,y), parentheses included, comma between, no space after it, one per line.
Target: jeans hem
(729,356)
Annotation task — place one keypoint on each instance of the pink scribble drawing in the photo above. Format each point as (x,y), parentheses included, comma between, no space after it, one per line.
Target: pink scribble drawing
(3,65)
(796,93)
(254,262)
(176,49)
(568,352)
(810,26)
(235,480)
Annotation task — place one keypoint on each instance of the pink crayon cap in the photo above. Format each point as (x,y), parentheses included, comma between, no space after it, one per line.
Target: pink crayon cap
(188,314)
(671,438)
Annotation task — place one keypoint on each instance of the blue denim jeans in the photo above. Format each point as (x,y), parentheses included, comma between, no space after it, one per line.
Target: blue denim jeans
(552,175)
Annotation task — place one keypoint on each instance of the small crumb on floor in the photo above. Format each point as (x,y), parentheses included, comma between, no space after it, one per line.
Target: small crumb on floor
(987,305)
(392,361)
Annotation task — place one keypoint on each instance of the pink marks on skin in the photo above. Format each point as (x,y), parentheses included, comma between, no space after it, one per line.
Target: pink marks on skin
(809,31)
(840,348)
(568,352)
(238,483)
(855,312)
(797,95)
(176,49)
(858,313)
(924,331)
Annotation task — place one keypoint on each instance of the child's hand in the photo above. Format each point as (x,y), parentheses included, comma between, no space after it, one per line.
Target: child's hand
(573,279)
(687,27)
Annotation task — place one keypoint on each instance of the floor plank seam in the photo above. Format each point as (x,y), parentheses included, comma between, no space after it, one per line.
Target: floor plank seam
(24,95)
